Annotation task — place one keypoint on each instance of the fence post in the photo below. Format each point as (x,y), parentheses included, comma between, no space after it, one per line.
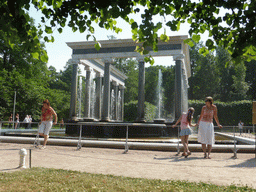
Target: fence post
(255,140)
(79,144)
(126,141)
(30,151)
(23,153)
(253,129)
(178,147)
(0,129)
(235,150)
(37,141)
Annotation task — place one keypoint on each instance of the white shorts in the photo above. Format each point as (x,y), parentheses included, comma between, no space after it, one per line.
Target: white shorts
(45,127)
(206,133)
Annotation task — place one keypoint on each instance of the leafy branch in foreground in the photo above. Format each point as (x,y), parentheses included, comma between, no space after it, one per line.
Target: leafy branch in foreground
(234,30)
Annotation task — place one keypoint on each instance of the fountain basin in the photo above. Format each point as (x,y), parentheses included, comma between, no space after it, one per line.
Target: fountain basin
(119,129)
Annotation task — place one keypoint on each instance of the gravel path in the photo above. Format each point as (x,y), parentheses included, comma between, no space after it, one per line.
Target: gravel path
(222,169)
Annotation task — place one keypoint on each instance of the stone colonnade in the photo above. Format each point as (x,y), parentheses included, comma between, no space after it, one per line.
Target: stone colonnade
(124,48)
(102,98)
(102,112)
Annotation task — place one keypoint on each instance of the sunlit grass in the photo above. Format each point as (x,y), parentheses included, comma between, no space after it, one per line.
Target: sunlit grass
(41,179)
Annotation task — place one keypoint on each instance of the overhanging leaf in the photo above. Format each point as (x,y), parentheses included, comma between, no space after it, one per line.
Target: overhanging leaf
(196,38)
(97,46)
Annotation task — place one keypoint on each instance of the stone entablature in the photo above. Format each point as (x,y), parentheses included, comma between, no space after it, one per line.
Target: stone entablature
(98,66)
(125,48)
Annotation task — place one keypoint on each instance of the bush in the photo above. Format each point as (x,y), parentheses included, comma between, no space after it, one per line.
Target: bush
(229,113)
(130,111)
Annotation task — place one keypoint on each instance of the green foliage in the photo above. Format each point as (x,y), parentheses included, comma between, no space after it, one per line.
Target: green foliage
(130,111)
(168,88)
(151,79)
(60,80)
(239,85)
(205,79)
(130,68)
(150,112)
(229,113)
(234,30)
(215,74)
(168,78)
(60,101)
(17,26)
(31,80)
(30,94)
(251,79)
(97,46)
(22,73)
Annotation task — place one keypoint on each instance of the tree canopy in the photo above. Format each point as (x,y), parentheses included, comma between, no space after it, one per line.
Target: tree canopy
(234,30)
(212,76)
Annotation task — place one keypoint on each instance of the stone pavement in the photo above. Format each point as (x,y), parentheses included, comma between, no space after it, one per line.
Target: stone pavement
(222,169)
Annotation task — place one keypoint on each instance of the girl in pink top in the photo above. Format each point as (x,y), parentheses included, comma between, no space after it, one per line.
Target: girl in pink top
(46,121)
(206,127)
(185,123)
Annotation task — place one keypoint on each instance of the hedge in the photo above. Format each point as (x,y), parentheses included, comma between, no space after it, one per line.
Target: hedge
(229,113)
(130,111)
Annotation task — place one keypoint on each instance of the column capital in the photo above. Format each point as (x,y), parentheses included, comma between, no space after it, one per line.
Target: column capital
(178,57)
(98,74)
(140,58)
(107,60)
(114,83)
(87,68)
(73,61)
(121,87)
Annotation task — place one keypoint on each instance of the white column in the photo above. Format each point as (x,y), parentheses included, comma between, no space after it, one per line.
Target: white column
(121,88)
(98,95)
(115,104)
(106,96)
(73,100)
(141,91)
(87,93)
(178,85)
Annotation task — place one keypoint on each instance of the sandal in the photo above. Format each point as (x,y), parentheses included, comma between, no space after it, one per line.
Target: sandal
(43,147)
(183,154)
(189,153)
(205,156)
(186,155)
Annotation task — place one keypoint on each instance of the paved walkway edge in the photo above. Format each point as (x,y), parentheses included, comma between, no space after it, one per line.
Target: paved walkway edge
(248,141)
(131,145)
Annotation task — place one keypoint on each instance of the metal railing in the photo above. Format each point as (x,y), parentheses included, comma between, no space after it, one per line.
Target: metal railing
(108,124)
(23,125)
(232,131)
(32,127)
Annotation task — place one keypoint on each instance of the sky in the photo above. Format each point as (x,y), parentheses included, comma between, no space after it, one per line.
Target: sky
(59,53)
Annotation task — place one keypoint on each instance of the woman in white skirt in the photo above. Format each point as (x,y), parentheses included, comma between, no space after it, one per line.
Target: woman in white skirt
(206,127)
(185,123)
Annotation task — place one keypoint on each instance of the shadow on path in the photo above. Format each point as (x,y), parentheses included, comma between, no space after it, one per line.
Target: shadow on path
(11,169)
(250,163)
(178,158)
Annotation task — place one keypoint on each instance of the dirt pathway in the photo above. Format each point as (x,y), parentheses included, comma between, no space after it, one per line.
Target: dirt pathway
(222,169)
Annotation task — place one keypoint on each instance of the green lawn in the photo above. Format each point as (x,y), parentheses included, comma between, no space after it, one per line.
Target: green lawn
(41,179)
